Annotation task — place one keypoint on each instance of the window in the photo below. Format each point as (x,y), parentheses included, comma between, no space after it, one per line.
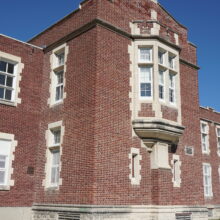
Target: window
(161,84)
(145,55)
(7,80)
(161,56)
(172,88)
(55,157)
(189,150)
(207,180)
(218,140)
(135,166)
(172,61)
(59,86)
(176,164)
(145,82)
(7,148)
(58,69)
(54,137)
(204,137)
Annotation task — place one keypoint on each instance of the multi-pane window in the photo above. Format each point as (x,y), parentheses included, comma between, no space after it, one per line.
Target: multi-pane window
(207,180)
(171,62)
(161,84)
(5,149)
(145,81)
(7,78)
(145,55)
(161,56)
(60,58)
(218,140)
(204,137)
(171,88)
(54,149)
(59,86)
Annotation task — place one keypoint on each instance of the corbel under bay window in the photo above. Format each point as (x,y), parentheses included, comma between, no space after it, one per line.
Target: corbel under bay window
(54,138)
(205,137)
(7,148)
(10,76)
(58,68)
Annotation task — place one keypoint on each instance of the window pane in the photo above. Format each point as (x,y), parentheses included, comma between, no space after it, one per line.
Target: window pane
(161,78)
(145,89)
(60,58)
(161,92)
(10,68)
(1,93)
(9,81)
(218,132)
(2,79)
(145,74)
(8,94)
(58,93)
(60,77)
(2,177)
(2,161)
(56,135)
(3,66)
(145,54)
(160,57)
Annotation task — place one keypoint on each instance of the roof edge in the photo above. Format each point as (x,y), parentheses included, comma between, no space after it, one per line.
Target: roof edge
(23,42)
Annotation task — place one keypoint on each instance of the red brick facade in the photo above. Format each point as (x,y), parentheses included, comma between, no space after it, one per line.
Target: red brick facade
(98,117)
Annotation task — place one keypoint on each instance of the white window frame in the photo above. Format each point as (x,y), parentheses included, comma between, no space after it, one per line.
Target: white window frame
(18,67)
(207,186)
(162,85)
(57,67)
(205,133)
(52,147)
(218,139)
(176,170)
(9,182)
(144,61)
(172,87)
(135,166)
(150,82)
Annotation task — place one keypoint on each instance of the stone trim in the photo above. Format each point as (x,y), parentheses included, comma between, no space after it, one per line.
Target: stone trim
(48,136)
(137,169)
(18,68)
(14,143)
(65,48)
(176,171)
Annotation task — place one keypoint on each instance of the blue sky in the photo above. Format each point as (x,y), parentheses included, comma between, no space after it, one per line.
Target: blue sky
(24,18)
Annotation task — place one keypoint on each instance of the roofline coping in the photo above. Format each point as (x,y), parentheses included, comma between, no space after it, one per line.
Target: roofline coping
(21,41)
(210,109)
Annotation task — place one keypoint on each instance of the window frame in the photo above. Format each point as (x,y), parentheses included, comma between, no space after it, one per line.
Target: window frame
(206,133)
(172,88)
(209,193)
(163,85)
(218,140)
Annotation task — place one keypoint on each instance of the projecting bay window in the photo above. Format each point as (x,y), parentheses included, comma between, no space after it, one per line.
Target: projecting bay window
(218,140)
(204,137)
(171,88)
(207,180)
(145,81)
(59,86)
(161,84)
(7,80)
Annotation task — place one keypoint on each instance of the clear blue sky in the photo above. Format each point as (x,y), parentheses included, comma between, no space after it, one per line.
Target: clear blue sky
(24,18)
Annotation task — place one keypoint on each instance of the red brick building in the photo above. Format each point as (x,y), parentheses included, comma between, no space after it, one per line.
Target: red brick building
(100,119)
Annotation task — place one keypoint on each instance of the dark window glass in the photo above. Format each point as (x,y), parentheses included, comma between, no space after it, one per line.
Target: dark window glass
(3,66)
(10,68)
(9,81)
(2,79)
(145,89)
(8,94)
(1,93)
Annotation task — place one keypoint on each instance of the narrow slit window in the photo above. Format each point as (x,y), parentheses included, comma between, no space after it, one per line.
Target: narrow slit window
(204,137)
(134,165)
(172,88)
(59,86)
(161,84)
(207,180)
(55,161)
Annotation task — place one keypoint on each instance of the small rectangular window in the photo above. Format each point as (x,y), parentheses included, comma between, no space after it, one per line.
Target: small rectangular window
(218,140)
(145,81)
(145,55)
(161,84)
(207,180)
(7,78)
(59,86)
(134,164)
(204,137)
(172,88)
